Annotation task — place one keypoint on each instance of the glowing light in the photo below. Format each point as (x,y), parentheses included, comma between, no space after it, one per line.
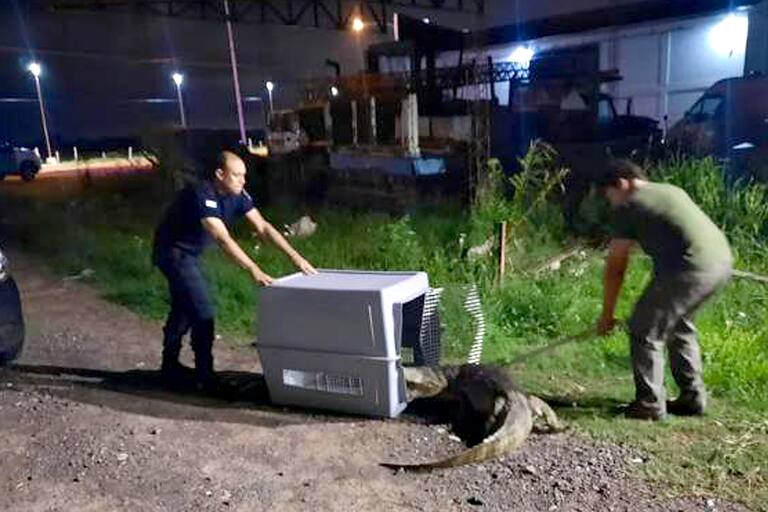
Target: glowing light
(427,21)
(35,69)
(334,91)
(358,25)
(522,55)
(270,86)
(730,35)
(178,79)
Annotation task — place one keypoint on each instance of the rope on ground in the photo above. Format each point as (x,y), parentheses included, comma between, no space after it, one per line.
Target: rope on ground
(586,335)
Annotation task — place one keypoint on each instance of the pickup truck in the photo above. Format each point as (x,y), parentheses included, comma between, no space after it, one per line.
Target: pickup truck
(19,161)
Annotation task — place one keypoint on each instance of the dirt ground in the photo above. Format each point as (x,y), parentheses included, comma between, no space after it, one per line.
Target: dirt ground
(85,425)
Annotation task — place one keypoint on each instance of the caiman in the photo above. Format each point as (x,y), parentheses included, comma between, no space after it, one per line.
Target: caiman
(486,410)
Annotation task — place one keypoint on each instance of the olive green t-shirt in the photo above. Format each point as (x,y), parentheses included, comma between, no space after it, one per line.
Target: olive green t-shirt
(671,229)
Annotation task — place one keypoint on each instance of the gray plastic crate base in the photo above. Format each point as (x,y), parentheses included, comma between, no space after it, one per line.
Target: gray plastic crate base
(334,382)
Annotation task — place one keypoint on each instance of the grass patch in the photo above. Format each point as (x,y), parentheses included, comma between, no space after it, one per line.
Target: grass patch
(108,228)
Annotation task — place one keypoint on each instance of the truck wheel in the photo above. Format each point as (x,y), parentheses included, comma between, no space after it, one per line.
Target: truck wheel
(28,170)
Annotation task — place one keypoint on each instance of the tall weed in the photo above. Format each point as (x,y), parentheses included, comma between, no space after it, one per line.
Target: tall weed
(740,210)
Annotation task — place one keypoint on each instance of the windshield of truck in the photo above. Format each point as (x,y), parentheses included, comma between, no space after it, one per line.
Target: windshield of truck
(707,107)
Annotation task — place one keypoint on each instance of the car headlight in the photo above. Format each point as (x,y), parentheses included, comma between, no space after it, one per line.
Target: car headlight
(3,267)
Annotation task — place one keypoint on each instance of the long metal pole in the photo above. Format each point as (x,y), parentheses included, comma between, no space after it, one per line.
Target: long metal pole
(235,77)
(42,116)
(181,107)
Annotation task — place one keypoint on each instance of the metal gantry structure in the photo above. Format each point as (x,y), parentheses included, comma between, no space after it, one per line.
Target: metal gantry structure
(330,14)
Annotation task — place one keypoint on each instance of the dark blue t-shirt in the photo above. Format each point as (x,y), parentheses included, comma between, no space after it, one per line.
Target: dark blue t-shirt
(181,227)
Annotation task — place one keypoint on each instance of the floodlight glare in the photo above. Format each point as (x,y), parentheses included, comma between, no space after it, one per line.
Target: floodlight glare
(178,78)
(35,69)
(427,21)
(522,55)
(270,86)
(358,25)
(334,91)
(730,35)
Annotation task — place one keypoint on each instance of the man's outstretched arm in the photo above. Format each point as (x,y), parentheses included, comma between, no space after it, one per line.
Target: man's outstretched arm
(615,268)
(267,232)
(219,232)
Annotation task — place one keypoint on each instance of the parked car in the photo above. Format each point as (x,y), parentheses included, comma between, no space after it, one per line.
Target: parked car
(730,122)
(11,317)
(18,160)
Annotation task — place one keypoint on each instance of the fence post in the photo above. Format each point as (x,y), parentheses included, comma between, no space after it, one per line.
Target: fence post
(130,152)
(503,251)
(74,152)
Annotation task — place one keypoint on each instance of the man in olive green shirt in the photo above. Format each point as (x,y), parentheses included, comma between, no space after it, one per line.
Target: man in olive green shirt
(691,261)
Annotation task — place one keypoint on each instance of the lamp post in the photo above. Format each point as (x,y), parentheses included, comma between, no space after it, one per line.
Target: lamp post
(178,79)
(270,87)
(235,76)
(36,69)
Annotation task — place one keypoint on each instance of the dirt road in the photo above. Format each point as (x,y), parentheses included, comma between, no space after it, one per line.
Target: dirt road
(84,425)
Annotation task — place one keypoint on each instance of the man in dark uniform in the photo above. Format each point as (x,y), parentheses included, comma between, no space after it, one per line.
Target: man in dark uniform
(200,214)
(691,261)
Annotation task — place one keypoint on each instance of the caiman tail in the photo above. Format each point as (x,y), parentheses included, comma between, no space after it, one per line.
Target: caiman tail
(513,433)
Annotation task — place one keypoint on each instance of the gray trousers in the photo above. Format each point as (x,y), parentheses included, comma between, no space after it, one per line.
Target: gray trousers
(663,317)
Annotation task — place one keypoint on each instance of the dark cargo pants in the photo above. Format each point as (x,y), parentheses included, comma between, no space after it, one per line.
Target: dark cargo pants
(663,317)
(191,309)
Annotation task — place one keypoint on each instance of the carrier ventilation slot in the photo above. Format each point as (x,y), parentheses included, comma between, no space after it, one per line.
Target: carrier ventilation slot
(335,383)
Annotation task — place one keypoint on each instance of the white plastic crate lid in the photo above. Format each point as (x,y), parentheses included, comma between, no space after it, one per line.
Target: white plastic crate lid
(340,311)
(350,280)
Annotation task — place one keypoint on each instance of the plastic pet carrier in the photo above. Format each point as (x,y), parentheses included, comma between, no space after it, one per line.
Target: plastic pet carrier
(334,340)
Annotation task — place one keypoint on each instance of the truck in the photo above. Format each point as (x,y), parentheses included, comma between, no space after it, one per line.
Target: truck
(582,125)
(730,123)
(18,161)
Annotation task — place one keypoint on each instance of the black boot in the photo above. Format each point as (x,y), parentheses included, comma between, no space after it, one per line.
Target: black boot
(202,344)
(205,378)
(172,372)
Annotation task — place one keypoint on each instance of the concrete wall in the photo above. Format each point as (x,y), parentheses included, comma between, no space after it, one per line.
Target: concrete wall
(757,45)
(665,65)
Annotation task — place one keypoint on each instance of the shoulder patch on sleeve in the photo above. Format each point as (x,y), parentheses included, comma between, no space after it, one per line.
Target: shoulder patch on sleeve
(210,203)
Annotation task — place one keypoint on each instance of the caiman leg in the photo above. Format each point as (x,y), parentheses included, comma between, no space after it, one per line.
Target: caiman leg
(541,409)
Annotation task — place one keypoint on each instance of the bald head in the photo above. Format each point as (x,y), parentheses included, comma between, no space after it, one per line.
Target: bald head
(229,176)
(228,159)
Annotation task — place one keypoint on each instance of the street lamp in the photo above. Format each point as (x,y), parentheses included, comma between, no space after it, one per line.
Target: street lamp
(36,69)
(270,88)
(358,25)
(334,91)
(235,75)
(178,79)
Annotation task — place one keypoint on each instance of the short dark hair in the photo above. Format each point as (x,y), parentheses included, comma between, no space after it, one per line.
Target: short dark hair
(616,169)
